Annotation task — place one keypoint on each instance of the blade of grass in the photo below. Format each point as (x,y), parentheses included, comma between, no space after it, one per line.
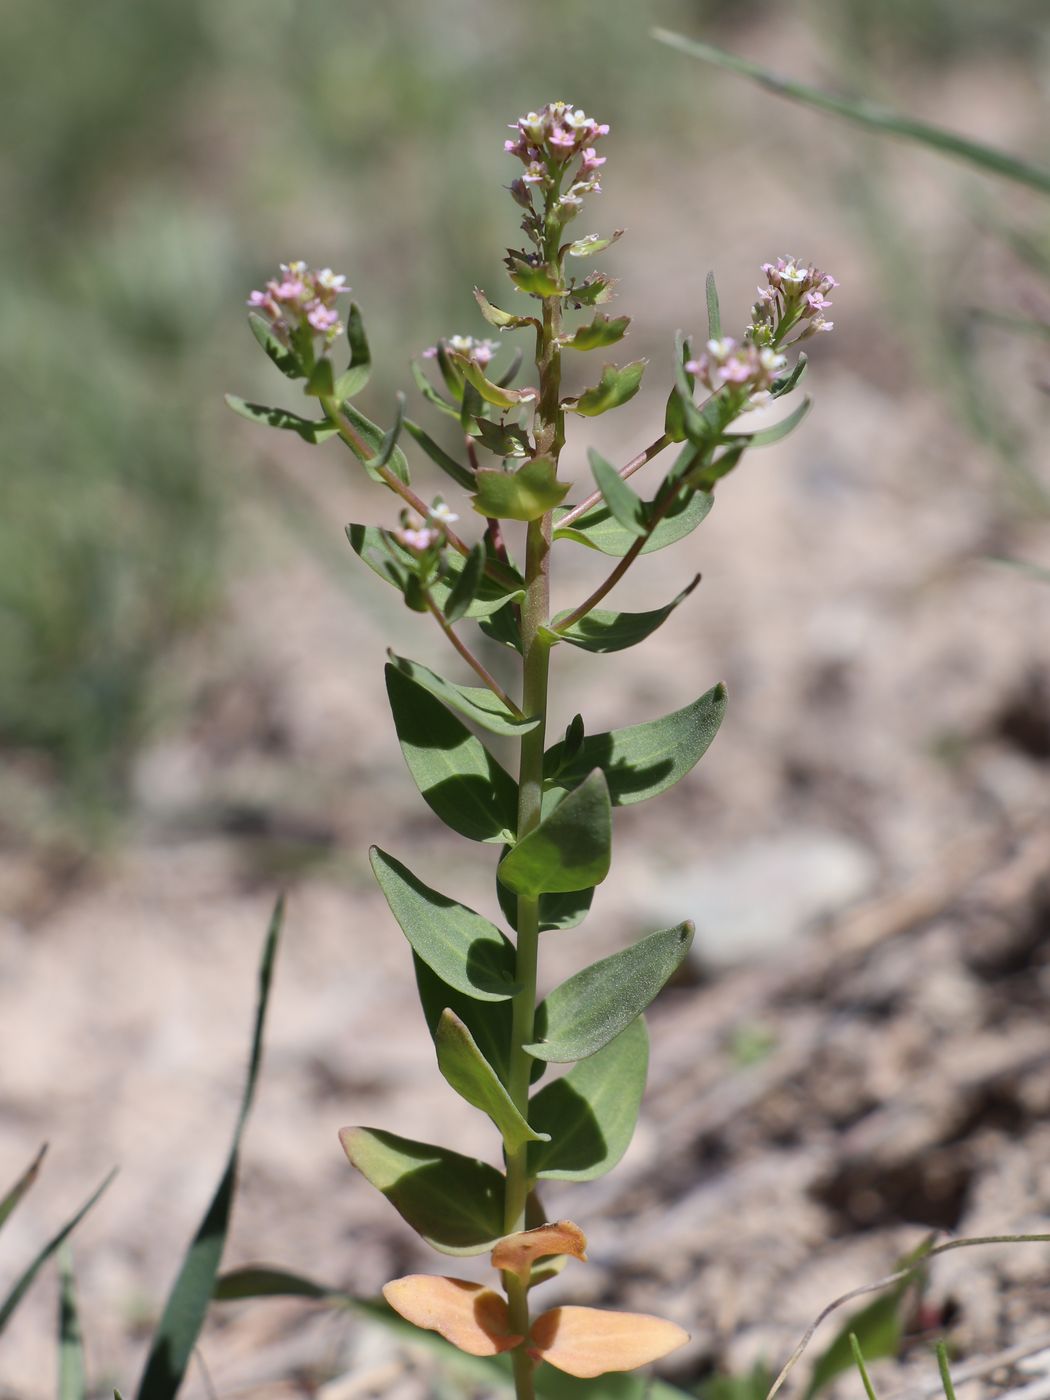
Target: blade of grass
(867,114)
(180,1324)
(15,1296)
(22,1185)
(858,1357)
(946,1375)
(72,1383)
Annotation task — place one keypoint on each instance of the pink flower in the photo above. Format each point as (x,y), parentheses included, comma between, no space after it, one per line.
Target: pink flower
(289,290)
(591,160)
(418,540)
(321,317)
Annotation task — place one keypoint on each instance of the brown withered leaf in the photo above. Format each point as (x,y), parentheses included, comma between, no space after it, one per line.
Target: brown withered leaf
(587,1342)
(469,1315)
(517,1253)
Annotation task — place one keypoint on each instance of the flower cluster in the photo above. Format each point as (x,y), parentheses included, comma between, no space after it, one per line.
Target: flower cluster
(480,351)
(545,143)
(795,294)
(748,367)
(302,300)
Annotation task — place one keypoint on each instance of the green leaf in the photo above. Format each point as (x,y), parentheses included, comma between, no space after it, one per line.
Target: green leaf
(557,911)
(386,448)
(457,776)
(681,396)
(626,506)
(359,372)
(465,588)
(714,315)
(602,631)
(454,1202)
(431,395)
(321,383)
(24,1282)
(598,333)
(642,760)
(489,1022)
(569,850)
(262,1281)
(450,371)
(461,475)
(496,317)
(286,360)
(490,392)
(504,439)
(869,114)
(594,1006)
(72,1381)
(175,1338)
(309,429)
(476,702)
(526,494)
(618,384)
(598,529)
(765,436)
(474,1079)
(591,1112)
(787,382)
(594,290)
(537,281)
(591,243)
(504,628)
(465,950)
(22,1185)
(376,439)
(385,558)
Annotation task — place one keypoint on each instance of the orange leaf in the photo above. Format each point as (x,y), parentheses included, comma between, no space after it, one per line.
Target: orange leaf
(519,1252)
(587,1342)
(468,1315)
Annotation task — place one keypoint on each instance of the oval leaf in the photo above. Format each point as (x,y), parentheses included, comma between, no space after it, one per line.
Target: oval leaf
(382,446)
(602,631)
(587,1342)
(478,703)
(490,1022)
(454,1202)
(591,1112)
(594,1006)
(526,494)
(598,333)
(474,1079)
(465,950)
(599,529)
(457,776)
(309,429)
(469,1315)
(618,384)
(286,360)
(643,760)
(492,393)
(569,850)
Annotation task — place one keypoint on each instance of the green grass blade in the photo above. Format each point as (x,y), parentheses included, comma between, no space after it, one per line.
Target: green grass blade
(858,1358)
(18,1291)
(22,1185)
(868,114)
(183,1316)
(72,1382)
(946,1375)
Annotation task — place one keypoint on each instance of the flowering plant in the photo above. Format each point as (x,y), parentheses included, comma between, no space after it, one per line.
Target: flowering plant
(552,821)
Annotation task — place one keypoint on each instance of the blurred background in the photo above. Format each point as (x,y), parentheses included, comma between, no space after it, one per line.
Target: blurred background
(191,703)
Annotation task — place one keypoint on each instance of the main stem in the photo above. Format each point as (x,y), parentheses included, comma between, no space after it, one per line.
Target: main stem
(535,612)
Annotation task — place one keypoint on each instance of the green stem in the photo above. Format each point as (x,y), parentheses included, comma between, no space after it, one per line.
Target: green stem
(535,613)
